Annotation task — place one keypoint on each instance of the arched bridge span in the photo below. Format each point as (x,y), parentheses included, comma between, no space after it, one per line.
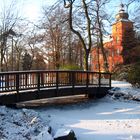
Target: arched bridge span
(31,85)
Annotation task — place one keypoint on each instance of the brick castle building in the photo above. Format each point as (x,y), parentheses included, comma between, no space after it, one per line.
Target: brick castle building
(115,45)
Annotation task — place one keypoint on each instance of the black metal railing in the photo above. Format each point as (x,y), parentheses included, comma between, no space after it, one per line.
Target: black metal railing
(37,80)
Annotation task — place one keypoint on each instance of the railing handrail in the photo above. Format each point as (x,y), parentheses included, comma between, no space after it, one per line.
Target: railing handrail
(36,71)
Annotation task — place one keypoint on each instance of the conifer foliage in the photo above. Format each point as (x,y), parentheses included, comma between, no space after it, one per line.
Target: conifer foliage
(27,61)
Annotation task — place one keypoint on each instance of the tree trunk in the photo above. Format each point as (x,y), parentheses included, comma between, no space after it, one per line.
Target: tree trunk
(101,38)
(87,48)
(86,58)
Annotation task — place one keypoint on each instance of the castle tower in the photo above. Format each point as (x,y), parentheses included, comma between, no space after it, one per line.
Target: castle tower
(120,28)
(122,31)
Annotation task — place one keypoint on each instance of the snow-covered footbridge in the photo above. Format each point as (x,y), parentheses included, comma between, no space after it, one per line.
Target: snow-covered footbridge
(32,85)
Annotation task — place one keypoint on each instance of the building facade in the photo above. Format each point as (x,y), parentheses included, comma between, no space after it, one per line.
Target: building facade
(114,47)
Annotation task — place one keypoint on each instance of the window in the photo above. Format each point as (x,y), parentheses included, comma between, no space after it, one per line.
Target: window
(116,29)
(96,66)
(113,65)
(112,53)
(117,39)
(118,51)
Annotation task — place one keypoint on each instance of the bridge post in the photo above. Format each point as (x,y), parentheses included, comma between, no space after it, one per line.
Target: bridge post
(38,81)
(26,79)
(17,83)
(17,87)
(57,82)
(87,80)
(110,80)
(99,80)
(73,79)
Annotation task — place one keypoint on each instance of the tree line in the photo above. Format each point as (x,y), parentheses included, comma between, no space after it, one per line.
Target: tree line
(62,38)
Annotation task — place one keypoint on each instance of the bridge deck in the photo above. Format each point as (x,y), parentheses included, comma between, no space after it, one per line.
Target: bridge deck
(31,85)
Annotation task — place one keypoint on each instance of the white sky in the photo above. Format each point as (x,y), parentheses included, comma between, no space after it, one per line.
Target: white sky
(30,9)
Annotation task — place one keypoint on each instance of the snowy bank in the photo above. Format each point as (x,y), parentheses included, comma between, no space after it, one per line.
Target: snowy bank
(22,124)
(124,91)
(103,119)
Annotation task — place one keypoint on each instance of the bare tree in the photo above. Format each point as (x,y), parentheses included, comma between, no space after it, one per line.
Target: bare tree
(59,42)
(135,13)
(128,4)
(33,44)
(53,36)
(9,19)
(14,57)
(85,41)
(92,20)
(100,17)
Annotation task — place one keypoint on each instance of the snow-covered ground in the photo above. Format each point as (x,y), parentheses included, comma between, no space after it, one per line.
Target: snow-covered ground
(109,118)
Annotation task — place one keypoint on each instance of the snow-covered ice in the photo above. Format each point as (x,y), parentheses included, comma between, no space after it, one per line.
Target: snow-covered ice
(102,119)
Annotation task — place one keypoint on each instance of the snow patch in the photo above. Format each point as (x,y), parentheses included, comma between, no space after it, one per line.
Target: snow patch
(62,132)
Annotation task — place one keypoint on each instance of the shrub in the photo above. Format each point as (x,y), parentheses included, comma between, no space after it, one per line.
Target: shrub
(121,72)
(70,67)
(134,75)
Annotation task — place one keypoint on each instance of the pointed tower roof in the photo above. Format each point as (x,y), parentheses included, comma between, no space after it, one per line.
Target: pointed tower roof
(122,15)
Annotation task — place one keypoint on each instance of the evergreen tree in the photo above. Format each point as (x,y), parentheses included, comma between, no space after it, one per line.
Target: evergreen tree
(39,63)
(27,61)
(130,48)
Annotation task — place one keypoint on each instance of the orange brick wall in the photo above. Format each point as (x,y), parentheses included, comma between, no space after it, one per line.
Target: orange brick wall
(113,48)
